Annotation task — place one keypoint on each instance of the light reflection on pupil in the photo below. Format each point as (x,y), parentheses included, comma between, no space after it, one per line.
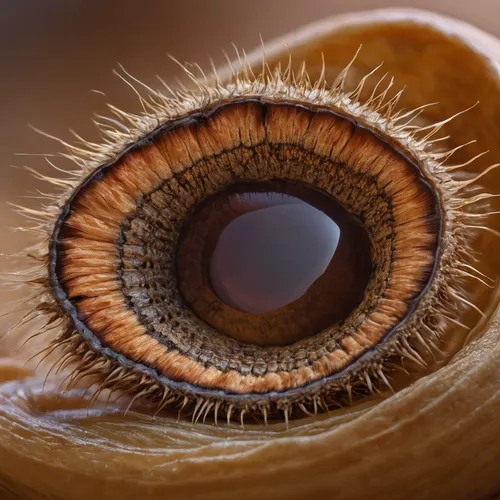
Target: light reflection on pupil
(272,262)
(270,255)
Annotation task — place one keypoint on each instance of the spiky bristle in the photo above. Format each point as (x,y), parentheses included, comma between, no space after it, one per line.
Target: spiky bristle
(437,310)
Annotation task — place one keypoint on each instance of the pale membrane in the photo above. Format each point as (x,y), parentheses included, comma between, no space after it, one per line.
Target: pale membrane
(269,257)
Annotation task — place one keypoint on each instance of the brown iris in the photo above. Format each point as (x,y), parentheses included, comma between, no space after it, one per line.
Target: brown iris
(272,262)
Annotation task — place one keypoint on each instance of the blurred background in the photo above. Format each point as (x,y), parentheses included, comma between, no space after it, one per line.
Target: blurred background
(53,53)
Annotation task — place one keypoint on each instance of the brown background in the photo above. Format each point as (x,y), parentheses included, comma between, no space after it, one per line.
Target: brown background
(53,53)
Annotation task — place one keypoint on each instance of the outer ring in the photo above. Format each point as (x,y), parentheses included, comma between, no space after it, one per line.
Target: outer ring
(184,387)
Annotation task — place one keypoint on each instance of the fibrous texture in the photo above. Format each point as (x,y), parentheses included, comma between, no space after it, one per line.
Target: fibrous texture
(122,277)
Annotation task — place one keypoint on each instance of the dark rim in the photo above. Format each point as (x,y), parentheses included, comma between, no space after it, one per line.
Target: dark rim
(185,387)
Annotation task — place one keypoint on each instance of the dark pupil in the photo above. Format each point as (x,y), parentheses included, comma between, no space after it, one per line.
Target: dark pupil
(281,252)
(273,252)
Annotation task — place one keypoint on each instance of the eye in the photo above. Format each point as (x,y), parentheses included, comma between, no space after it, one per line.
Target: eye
(133,282)
(262,247)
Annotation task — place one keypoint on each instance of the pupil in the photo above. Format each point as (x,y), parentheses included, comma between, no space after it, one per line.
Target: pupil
(271,254)
(270,263)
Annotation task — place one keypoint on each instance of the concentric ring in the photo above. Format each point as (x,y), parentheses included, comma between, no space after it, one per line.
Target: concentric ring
(99,251)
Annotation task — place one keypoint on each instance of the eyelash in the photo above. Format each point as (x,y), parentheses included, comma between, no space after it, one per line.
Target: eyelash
(377,115)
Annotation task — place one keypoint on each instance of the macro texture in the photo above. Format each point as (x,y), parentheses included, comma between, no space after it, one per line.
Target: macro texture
(146,354)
